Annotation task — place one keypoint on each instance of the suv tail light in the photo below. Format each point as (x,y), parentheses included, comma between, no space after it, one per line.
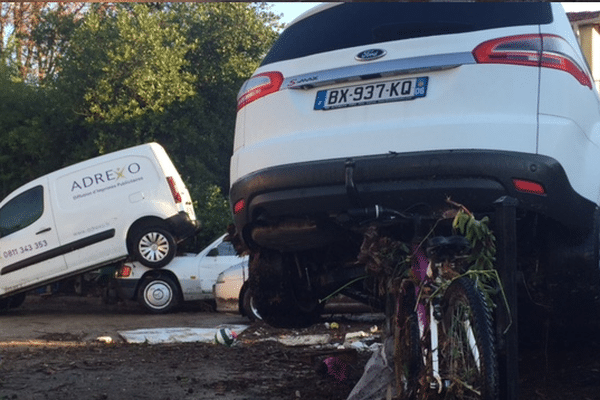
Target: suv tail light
(549,51)
(239,206)
(259,86)
(174,191)
(529,187)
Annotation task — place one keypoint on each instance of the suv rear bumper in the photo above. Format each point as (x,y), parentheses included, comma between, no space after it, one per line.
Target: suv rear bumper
(475,178)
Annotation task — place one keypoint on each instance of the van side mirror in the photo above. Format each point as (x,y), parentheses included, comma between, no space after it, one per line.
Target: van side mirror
(213,252)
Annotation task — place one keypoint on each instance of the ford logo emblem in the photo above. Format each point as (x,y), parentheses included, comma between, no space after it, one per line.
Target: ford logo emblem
(370,55)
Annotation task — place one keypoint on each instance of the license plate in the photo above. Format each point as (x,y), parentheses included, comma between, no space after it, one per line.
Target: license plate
(381,92)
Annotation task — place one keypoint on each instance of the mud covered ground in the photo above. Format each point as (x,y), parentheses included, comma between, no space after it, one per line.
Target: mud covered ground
(49,350)
(70,364)
(253,370)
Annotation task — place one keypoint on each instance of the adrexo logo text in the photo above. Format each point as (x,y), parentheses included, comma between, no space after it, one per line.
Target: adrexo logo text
(106,177)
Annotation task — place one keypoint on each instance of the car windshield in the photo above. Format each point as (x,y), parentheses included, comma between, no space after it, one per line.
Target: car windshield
(359,24)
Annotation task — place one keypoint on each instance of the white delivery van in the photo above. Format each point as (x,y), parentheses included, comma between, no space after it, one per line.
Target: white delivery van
(130,203)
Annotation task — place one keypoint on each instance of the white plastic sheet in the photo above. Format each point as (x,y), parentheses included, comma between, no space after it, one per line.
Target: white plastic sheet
(176,335)
(378,380)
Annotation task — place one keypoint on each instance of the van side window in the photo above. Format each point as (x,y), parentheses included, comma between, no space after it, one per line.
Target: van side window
(22,211)
(226,249)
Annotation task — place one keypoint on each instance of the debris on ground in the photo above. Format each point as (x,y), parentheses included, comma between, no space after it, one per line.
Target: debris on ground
(378,379)
(60,360)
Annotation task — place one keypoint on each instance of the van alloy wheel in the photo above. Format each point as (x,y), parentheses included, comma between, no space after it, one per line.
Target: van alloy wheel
(154,247)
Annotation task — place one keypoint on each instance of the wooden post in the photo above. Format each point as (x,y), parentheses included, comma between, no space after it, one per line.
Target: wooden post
(505,230)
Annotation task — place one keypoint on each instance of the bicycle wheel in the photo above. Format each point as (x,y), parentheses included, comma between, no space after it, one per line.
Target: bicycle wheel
(408,359)
(467,346)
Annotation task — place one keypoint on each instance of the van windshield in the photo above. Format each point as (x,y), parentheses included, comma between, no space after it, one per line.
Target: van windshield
(358,24)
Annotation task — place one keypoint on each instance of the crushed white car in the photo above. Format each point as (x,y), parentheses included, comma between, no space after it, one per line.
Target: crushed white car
(232,292)
(188,277)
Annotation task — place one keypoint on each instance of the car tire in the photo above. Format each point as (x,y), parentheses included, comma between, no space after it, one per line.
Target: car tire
(277,301)
(154,247)
(159,295)
(249,306)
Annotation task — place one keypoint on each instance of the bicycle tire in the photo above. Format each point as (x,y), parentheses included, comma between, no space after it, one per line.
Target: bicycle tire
(465,310)
(408,360)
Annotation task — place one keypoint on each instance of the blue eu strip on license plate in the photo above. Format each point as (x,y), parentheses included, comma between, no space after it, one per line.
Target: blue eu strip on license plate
(371,93)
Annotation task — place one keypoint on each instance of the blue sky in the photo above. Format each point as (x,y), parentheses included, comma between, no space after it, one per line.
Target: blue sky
(291,10)
(581,6)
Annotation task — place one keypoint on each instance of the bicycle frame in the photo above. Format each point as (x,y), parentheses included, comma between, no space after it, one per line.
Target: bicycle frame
(429,310)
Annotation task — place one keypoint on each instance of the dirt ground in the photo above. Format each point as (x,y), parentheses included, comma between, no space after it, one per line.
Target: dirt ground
(49,350)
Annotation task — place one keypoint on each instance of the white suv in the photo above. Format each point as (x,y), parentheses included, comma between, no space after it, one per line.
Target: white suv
(400,106)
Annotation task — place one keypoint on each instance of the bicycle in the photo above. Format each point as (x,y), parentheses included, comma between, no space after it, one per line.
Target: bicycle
(443,327)
(437,271)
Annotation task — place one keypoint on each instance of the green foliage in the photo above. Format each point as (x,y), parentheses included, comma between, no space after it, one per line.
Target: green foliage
(228,42)
(214,213)
(122,68)
(24,116)
(482,257)
(212,210)
(480,237)
(50,36)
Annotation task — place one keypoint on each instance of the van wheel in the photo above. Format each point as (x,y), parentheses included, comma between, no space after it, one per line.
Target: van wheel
(158,295)
(17,300)
(154,247)
(13,301)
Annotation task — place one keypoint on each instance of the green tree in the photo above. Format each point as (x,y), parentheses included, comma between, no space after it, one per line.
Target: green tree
(36,34)
(121,68)
(213,212)
(229,41)
(22,135)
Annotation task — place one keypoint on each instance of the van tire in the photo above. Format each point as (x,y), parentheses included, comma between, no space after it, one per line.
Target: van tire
(159,295)
(17,300)
(154,246)
(13,301)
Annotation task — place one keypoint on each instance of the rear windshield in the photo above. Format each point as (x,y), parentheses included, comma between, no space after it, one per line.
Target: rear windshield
(358,24)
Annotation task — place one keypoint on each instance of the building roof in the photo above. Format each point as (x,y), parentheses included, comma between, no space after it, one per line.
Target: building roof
(591,16)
